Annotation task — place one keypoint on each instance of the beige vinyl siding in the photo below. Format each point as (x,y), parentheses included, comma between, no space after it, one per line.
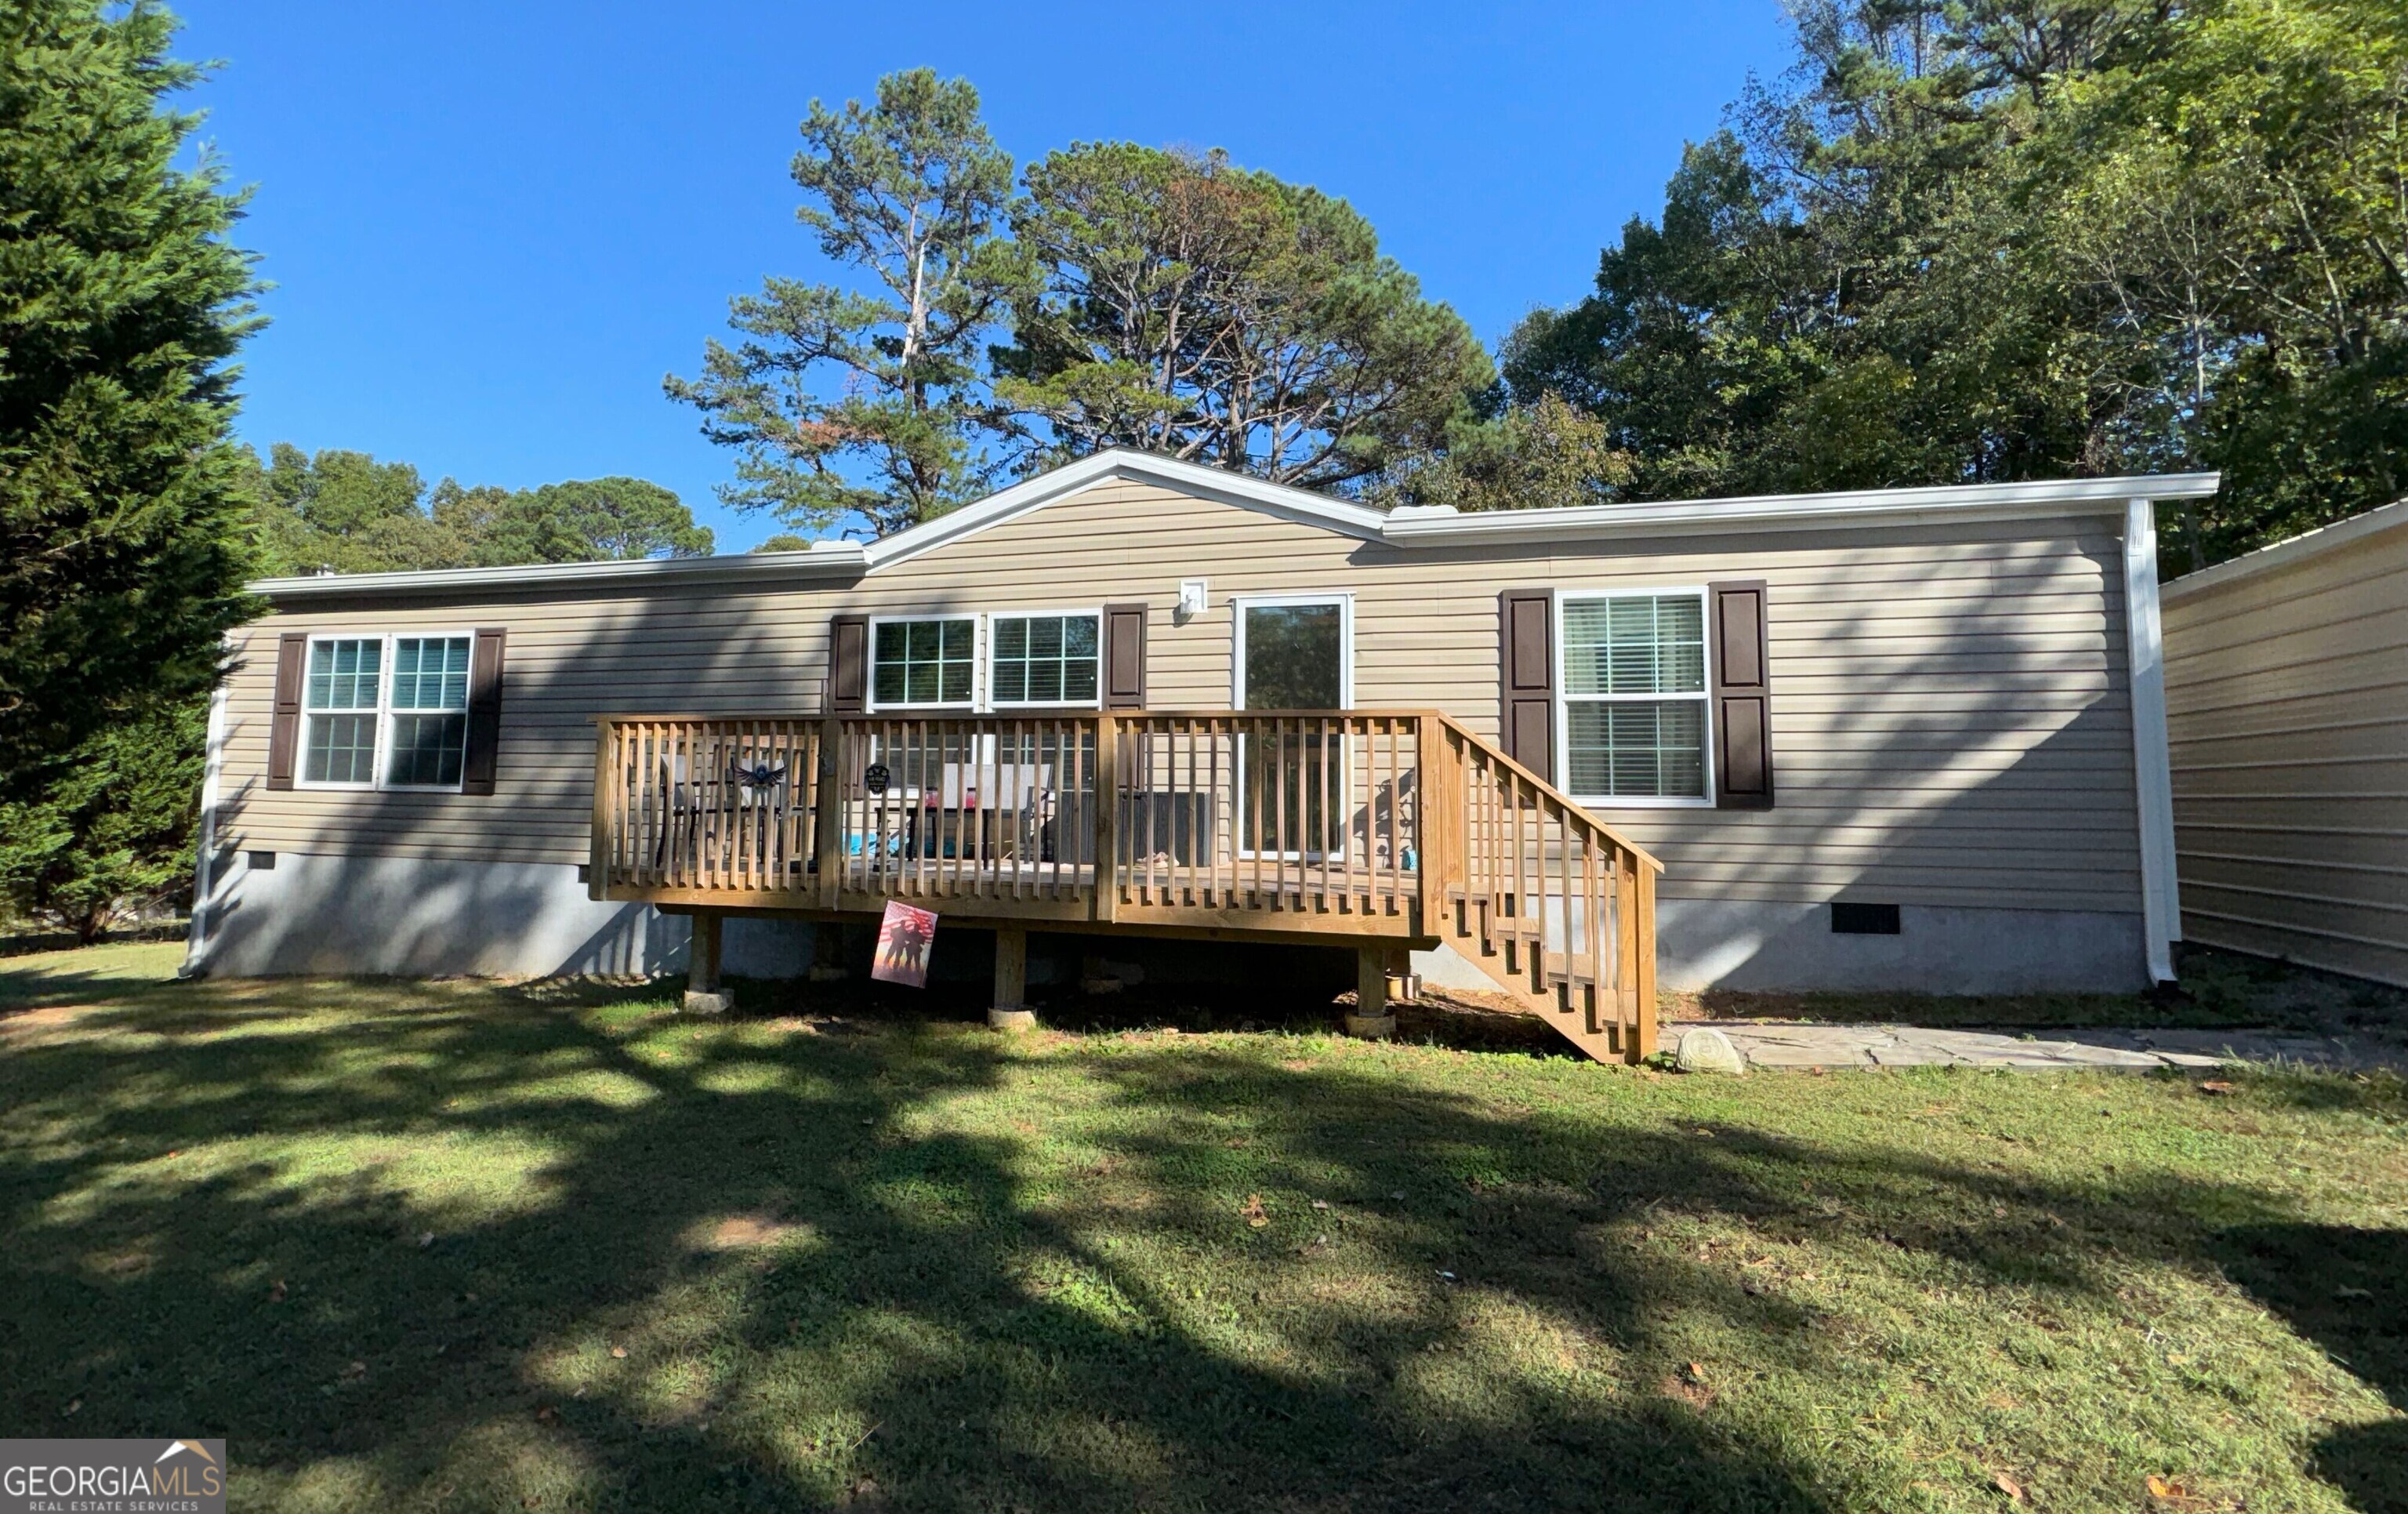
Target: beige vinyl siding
(1950,717)
(2287,701)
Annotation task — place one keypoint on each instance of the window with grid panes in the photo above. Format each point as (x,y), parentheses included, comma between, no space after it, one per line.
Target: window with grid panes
(428,713)
(1045,659)
(339,704)
(1634,696)
(922,662)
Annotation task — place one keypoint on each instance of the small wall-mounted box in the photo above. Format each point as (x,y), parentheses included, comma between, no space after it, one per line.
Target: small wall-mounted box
(1193,593)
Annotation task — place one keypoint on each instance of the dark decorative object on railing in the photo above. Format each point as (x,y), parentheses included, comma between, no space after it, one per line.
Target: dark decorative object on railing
(759,776)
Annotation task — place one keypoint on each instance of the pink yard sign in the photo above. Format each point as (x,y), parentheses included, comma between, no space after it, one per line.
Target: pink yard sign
(904,939)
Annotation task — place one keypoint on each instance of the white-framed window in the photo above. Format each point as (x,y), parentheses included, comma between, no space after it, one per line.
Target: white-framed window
(342,688)
(924,662)
(1292,647)
(1045,657)
(1635,725)
(427,715)
(385,711)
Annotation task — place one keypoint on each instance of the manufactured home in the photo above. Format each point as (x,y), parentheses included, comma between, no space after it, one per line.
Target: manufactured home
(2286,685)
(1898,738)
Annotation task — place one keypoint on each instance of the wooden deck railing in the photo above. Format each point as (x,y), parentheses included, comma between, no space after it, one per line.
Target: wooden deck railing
(1400,826)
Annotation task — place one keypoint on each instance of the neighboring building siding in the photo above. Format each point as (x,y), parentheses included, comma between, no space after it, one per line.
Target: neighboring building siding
(1950,715)
(2287,698)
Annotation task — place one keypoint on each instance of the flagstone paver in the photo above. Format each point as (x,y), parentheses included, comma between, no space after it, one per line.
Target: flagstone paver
(1802,1045)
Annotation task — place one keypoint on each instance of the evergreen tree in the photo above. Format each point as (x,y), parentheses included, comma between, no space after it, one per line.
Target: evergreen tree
(123,537)
(1181,305)
(869,408)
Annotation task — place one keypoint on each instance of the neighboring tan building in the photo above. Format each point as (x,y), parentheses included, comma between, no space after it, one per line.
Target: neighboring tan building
(1899,738)
(2287,692)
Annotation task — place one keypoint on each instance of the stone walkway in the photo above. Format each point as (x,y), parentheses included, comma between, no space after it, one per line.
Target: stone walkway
(1799,1045)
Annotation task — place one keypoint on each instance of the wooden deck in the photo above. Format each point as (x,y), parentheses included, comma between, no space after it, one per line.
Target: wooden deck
(1385,830)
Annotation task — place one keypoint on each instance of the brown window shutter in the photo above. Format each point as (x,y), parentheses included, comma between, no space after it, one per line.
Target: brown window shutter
(1123,656)
(1742,696)
(484,714)
(284,727)
(848,680)
(1526,678)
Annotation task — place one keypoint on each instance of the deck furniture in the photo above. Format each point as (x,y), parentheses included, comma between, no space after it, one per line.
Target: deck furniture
(1387,831)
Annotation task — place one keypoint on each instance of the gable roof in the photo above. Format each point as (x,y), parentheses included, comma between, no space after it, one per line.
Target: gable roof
(1406,527)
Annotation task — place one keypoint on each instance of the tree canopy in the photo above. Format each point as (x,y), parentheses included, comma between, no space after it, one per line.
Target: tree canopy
(1128,296)
(348,513)
(1974,240)
(908,192)
(1186,307)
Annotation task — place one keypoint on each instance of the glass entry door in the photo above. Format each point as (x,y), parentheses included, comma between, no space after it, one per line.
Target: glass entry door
(1292,778)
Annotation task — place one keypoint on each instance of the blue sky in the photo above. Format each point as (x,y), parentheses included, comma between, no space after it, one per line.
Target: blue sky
(492,228)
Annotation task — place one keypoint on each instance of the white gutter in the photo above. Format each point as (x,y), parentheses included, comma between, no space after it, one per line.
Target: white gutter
(825,558)
(2153,783)
(1413,523)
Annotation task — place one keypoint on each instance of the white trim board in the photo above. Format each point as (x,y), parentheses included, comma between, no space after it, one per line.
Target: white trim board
(2291,552)
(1407,527)
(2153,783)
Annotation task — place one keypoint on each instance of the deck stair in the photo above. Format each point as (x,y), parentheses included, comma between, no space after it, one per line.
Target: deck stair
(1385,830)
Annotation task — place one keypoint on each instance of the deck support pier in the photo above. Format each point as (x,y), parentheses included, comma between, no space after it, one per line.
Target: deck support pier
(703,993)
(1009,1011)
(827,953)
(1371,1017)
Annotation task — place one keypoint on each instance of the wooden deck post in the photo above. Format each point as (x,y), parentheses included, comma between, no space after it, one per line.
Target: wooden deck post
(1108,809)
(1009,1011)
(828,816)
(1371,1017)
(703,994)
(1645,964)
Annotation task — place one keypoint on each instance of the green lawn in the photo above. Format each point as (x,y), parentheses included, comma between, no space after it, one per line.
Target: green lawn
(424,1246)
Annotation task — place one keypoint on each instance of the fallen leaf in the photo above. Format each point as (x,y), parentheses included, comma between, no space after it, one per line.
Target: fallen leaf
(1817,1071)
(2005,1484)
(1254,1211)
(1695,1372)
(2213,1086)
(547,1415)
(619,1353)
(2165,1488)
(276,1292)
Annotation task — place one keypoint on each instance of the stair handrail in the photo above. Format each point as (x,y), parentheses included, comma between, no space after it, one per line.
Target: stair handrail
(1572,806)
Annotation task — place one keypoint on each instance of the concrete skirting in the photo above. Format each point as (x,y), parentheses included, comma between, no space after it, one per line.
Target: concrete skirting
(1747,944)
(423,917)
(420,917)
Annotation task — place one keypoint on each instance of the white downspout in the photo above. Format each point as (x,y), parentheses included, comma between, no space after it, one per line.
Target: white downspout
(2152,769)
(196,943)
